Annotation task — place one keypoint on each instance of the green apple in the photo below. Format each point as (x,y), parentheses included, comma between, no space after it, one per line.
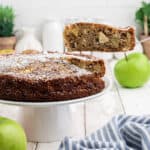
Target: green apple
(132,71)
(12,136)
(149,69)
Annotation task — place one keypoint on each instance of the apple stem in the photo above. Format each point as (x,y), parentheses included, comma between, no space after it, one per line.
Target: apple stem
(125,55)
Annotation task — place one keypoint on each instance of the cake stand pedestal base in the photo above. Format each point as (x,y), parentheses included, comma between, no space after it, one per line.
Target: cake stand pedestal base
(52,123)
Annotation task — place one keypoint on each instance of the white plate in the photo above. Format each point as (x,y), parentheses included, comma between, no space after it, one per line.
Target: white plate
(47,104)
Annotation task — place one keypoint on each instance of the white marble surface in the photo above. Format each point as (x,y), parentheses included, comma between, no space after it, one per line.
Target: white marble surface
(118,101)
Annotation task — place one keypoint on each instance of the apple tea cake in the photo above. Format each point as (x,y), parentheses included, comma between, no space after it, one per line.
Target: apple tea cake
(49,77)
(98,37)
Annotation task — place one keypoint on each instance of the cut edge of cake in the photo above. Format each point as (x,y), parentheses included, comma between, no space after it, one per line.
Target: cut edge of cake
(96,65)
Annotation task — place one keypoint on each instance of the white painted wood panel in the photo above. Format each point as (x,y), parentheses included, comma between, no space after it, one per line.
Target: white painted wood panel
(31,146)
(48,146)
(135,101)
(99,112)
(33,12)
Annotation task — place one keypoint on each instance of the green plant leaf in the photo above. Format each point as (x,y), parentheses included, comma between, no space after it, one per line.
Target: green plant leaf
(139,15)
(7,17)
(144,4)
(144,10)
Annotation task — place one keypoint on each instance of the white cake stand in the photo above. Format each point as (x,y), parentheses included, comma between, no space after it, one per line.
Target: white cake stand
(52,121)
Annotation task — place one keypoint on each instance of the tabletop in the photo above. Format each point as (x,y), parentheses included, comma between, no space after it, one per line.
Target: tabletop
(117,101)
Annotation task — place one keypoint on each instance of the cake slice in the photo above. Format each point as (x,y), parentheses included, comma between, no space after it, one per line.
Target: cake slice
(50,77)
(87,62)
(98,37)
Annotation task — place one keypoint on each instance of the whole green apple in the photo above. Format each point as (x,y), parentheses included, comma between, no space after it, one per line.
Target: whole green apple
(12,136)
(132,71)
(149,70)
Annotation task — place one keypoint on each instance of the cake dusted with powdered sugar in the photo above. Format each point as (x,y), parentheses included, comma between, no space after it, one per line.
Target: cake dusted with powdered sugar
(50,77)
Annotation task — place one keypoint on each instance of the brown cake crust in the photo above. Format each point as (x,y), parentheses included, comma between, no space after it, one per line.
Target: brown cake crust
(47,79)
(18,89)
(98,37)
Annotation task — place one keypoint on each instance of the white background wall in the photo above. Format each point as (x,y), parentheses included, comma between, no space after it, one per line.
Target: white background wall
(34,12)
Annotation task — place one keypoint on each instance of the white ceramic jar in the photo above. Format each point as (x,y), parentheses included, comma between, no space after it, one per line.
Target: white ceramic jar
(28,41)
(52,36)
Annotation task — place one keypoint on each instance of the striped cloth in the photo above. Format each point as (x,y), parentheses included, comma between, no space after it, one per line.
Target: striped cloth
(121,133)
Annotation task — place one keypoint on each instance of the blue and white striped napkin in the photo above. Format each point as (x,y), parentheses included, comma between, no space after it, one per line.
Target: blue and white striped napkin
(121,133)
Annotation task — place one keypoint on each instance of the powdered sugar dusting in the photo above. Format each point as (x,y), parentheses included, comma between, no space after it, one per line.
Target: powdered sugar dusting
(40,66)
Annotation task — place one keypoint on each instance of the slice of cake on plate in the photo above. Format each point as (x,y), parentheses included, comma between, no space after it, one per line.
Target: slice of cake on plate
(98,37)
